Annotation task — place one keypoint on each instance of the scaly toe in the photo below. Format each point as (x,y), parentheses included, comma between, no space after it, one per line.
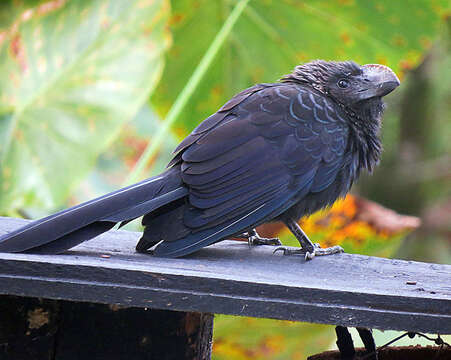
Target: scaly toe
(287,251)
(328,251)
(283,249)
(256,240)
(272,241)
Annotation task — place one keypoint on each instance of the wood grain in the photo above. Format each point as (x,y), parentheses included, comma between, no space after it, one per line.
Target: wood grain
(231,278)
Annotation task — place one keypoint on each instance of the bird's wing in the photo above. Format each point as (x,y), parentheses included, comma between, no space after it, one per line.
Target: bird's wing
(268,149)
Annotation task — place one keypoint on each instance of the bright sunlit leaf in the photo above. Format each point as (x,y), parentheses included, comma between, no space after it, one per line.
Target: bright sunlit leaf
(73,72)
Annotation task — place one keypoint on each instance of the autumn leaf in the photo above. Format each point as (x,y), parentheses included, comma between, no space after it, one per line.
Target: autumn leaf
(357,224)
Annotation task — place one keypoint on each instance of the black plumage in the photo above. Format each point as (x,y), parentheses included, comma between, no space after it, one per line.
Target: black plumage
(273,152)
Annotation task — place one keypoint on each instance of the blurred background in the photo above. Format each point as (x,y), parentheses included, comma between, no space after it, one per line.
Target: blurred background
(96,94)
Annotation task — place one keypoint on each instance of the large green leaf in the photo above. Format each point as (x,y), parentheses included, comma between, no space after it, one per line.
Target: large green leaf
(271,37)
(116,162)
(72,73)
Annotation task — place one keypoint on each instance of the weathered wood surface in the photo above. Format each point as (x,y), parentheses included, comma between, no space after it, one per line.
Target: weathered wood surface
(231,278)
(42,329)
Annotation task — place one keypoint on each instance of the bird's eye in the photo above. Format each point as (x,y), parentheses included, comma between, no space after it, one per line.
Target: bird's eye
(343,83)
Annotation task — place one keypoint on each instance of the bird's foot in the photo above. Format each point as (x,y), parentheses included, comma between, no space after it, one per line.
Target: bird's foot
(253,239)
(256,240)
(318,251)
(309,255)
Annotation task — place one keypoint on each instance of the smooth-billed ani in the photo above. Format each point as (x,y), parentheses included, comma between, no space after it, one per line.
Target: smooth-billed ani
(273,152)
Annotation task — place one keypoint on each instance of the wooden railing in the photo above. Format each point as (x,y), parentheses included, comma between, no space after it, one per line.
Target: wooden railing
(102,297)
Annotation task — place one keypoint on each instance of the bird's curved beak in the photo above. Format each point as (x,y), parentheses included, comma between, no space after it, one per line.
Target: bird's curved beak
(379,80)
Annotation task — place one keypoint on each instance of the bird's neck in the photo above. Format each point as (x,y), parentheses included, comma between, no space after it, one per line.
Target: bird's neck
(365,124)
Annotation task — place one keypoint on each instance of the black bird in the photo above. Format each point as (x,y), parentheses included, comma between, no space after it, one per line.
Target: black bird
(273,152)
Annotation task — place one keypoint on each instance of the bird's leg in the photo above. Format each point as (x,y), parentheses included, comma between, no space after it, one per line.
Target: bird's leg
(254,239)
(308,249)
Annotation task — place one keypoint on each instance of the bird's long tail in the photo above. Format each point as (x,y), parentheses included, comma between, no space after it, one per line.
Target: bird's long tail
(70,227)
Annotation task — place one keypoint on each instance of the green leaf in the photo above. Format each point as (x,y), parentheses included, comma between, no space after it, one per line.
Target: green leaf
(73,73)
(243,338)
(191,85)
(271,37)
(115,163)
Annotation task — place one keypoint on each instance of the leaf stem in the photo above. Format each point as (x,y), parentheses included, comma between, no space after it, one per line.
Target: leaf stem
(186,93)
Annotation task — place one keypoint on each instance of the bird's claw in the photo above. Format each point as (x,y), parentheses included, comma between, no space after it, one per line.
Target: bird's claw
(281,248)
(287,251)
(253,239)
(257,240)
(309,255)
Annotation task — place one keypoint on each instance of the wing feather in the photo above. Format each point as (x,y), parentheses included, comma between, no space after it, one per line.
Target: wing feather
(270,148)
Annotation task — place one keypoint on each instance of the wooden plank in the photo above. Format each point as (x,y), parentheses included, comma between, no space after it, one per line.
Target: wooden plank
(231,278)
(32,328)
(28,328)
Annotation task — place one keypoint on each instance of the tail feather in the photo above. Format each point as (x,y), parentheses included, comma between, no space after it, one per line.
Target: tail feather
(73,238)
(147,206)
(67,228)
(165,224)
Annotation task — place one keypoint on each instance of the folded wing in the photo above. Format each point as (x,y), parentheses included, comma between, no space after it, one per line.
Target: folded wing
(254,161)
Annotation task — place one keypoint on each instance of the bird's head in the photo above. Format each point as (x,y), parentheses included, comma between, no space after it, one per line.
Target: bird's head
(348,83)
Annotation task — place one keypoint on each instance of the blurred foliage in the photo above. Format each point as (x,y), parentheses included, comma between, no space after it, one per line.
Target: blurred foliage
(77,76)
(273,36)
(241,338)
(73,73)
(358,225)
(113,165)
(416,138)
